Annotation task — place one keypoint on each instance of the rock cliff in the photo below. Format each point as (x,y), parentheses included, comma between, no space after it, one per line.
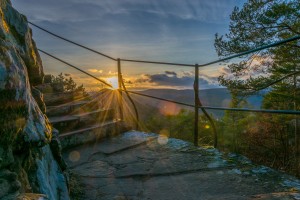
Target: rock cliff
(27,163)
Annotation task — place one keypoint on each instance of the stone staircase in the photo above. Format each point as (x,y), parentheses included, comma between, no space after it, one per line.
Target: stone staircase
(81,120)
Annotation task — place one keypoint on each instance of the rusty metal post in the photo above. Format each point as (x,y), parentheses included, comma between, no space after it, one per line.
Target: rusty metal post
(120,96)
(196,91)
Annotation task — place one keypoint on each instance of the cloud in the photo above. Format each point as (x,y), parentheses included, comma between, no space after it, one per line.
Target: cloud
(95,71)
(172,79)
(169,73)
(112,73)
(212,10)
(164,79)
(182,27)
(256,67)
(169,30)
(189,9)
(224,70)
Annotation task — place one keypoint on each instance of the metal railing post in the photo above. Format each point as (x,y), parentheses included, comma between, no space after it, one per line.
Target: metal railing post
(120,96)
(196,91)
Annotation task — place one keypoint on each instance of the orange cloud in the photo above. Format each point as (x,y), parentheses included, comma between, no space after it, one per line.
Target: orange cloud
(95,71)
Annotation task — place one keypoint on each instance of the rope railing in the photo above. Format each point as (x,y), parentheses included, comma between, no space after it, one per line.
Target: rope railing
(290,112)
(297,37)
(77,68)
(72,42)
(281,42)
(197,104)
(158,63)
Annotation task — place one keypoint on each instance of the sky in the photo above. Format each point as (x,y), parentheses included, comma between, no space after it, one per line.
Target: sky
(157,30)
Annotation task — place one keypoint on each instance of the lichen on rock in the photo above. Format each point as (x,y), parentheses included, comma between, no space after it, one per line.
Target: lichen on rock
(9,185)
(27,164)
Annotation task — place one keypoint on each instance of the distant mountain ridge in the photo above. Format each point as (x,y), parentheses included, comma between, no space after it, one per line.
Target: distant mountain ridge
(217,97)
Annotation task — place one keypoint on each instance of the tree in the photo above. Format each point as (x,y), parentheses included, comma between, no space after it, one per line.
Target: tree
(257,23)
(61,83)
(234,123)
(261,22)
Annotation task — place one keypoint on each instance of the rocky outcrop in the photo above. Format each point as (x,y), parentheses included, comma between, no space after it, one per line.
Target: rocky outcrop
(27,163)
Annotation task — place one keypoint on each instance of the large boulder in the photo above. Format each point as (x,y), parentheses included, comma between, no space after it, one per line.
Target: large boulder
(27,163)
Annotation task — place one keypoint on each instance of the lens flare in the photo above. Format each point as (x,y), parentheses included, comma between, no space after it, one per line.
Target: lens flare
(163,137)
(74,156)
(113,81)
(167,108)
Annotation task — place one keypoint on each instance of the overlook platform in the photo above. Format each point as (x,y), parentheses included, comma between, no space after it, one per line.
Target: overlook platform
(139,166)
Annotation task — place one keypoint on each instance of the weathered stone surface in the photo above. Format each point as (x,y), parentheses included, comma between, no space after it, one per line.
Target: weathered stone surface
(6,156)
(18,34)
(56,150)
(128,140)
(174,170)
(32,196)
(38,96)
(25,131)
(96,168)
(9,185)
(51,180)
(92,133)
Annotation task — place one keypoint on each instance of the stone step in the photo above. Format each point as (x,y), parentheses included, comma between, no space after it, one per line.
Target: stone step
(71,122)
(65,109)
(92,133)
(66,118)
(96,116)
(65,123)
(54,99)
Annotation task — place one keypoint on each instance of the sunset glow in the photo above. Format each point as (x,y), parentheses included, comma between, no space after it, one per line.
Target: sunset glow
(113,81)
(167,108)
(179,34)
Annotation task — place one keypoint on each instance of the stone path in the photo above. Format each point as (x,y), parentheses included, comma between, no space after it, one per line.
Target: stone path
(139,166)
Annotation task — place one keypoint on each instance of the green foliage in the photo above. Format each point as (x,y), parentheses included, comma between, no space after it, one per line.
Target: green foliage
(13,115)
(233,124)
(269,141)
(180,126)
(62,83)
(260,22)
(175,126)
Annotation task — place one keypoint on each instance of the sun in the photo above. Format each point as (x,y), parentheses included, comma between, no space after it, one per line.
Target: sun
(113,81)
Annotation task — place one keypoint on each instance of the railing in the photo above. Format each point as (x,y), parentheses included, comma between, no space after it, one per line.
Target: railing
(197,103)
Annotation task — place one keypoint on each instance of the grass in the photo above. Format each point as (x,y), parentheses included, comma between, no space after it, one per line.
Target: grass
(75,187)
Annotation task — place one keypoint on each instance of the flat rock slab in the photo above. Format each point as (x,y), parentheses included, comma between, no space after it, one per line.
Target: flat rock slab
(126,141)
(99,169)
(140,166)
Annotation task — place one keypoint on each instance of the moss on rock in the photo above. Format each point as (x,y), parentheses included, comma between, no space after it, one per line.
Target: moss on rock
(25,132)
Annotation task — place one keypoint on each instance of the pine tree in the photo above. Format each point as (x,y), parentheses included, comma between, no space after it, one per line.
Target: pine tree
(257,23)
